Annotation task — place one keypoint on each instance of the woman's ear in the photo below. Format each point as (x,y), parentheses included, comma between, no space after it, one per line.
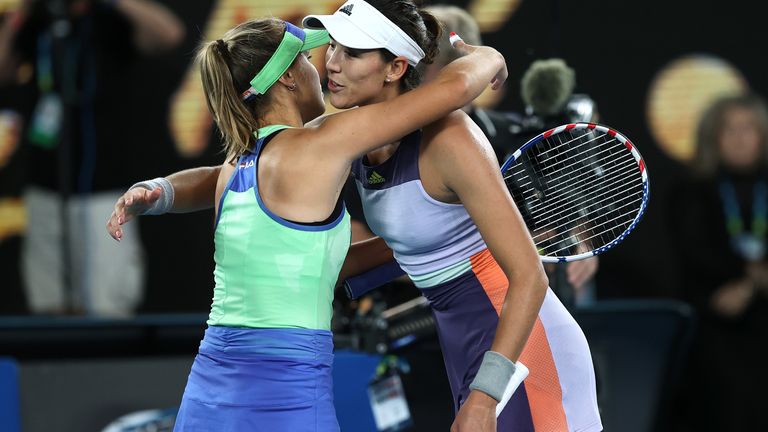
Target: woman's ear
(396,69)
(288,80)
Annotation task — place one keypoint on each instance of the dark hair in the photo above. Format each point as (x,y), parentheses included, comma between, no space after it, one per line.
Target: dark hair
(420,25)
(227,67)
(706,160)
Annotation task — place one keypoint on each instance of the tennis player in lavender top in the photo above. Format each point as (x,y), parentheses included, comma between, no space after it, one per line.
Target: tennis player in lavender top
(435,195)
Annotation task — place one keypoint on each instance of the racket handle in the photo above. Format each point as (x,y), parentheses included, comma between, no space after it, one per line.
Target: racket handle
(521,372)
(357,286)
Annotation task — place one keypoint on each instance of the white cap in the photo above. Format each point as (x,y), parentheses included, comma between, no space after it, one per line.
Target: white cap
(359,25)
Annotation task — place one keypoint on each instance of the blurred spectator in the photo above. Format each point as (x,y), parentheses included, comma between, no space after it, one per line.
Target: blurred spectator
(720,220)
(75,58)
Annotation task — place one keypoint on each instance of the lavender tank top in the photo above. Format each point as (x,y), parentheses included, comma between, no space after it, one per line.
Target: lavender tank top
(426,235)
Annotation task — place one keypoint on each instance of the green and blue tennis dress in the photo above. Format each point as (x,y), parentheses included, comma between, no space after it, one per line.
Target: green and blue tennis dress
(265,361)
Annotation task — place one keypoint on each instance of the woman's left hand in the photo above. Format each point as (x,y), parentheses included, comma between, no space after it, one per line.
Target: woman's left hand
(477,414)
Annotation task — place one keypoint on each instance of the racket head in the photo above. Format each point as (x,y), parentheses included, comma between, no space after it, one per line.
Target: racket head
(581,188)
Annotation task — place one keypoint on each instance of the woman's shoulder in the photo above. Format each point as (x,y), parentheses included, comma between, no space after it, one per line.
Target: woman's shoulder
(455,129)
(455,135)
(456,119)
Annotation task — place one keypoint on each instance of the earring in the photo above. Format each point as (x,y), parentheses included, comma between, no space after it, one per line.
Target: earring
(387,80)
(291,86)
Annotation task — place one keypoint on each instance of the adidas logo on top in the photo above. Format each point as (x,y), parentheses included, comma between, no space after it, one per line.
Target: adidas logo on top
(375,178)
(347,9)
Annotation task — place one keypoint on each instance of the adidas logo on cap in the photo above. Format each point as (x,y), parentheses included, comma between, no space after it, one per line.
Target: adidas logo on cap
(347,9)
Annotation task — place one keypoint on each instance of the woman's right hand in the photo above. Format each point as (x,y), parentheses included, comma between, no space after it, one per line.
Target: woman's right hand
(133,203)
(477,414)
(466,49)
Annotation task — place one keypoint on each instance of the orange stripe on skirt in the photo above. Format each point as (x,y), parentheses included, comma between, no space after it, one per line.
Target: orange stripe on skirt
(545,395)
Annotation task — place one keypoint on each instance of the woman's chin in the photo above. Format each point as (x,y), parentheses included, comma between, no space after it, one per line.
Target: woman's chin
(340,103)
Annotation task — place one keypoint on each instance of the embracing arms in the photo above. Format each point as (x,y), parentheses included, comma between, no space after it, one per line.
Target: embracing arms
(457,84)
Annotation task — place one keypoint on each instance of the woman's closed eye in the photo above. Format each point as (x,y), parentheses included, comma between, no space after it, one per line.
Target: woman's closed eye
(350,52)
(355,53)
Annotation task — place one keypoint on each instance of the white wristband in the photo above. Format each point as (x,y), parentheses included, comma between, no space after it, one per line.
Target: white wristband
(165,202)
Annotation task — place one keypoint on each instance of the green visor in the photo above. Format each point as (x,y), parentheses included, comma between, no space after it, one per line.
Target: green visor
(295,40)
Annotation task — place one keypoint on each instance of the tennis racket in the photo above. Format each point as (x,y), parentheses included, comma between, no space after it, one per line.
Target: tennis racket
(581,188)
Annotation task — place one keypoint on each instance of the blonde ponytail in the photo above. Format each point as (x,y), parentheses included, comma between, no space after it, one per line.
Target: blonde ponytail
(226,68)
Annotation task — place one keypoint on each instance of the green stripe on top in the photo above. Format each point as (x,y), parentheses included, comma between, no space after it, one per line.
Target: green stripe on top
(443,275)
(269,130)
(271,273)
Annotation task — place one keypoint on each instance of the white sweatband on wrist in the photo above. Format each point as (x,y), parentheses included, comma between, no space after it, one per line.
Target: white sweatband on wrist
(165,202)
(494,375)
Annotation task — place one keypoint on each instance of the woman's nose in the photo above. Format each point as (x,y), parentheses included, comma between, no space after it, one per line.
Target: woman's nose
(331,62)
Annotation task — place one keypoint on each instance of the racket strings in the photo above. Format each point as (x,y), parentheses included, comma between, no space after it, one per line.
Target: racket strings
(560,143)
(590,228)
(552,204)
(582,179)
(578,191)
(570,168)
(612,229)
(621,196)
(565,162)
(583,176)
(545,143)
(592,191)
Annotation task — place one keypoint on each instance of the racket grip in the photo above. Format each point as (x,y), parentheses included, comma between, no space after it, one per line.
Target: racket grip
(357,286)
(521,372)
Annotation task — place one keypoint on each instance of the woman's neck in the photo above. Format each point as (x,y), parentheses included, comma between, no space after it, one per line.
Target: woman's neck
(281,120)
(281,114)
(389,92)
(381,154)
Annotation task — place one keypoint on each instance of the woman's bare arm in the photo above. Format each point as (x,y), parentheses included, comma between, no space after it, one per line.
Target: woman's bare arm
(467,166)
(365,255)
(193,189)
